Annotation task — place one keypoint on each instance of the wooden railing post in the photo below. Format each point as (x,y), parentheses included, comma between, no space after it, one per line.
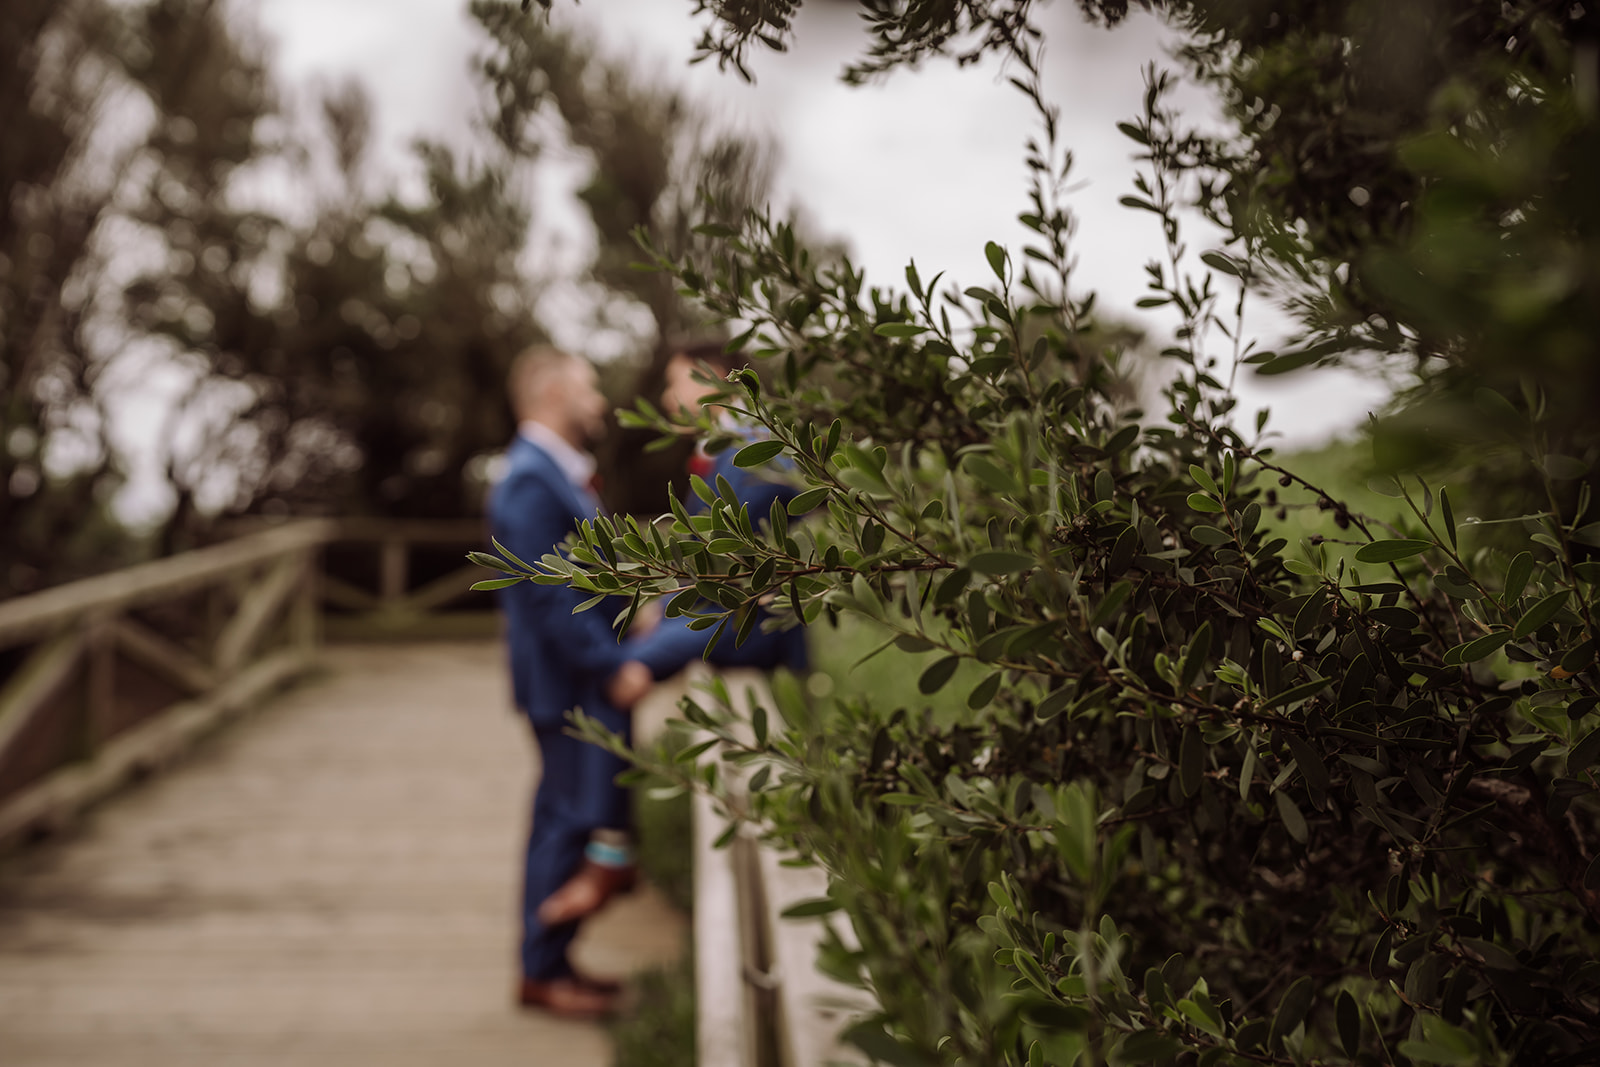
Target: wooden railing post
(305,614)
(393,574)
(100,696)
(69,735)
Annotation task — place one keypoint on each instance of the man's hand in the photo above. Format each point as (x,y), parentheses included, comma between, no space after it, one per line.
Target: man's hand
(645,620)
(629,685)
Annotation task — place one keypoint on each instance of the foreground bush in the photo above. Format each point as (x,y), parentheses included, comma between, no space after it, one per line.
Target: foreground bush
(1214,798)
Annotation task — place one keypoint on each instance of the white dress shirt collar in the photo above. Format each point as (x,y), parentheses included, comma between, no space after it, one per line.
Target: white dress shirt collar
(575,463)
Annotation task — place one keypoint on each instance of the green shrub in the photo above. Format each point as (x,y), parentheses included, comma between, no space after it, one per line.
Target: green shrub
(666,845)
(1207,799)
(659,1031)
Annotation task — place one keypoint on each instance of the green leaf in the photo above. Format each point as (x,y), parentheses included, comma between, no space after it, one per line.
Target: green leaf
(1443,1044)
(1449,516)
(1191,761)
(1583,753)
(807,909)
(1289,361)
(1202,502)
(1218,261)
(757,454)
(1564,468)
(508,554)
(997,259)
(1201,1012)
(1540,613)
(1149,1046)
(591,602)
(1517,576)
(899,329)
(1203,479)
(934,678)
(990,475)
(1389,551)
(1292,1009)
(1293,821)
(807,500)
(496,583)
(985,691)
(1055,703)
(951,586)
(1493,955)
(1001,561)
(1110,603)
(1591,875)
(1024,962)
(1473,651)
(871,1038)
(1295,694)
(1312,769)
(1194,659)
(1348,1017)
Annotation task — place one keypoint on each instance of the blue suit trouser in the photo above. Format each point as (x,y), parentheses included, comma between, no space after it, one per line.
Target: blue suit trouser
(577,794)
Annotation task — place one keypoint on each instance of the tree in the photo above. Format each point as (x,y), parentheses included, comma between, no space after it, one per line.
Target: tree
(1210,799)
(660,162)
(60,65)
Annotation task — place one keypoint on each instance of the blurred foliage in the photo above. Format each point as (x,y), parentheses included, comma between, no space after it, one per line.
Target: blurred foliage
(666,843)
(659,1030)
(59,64)
(659,162)
(340,349)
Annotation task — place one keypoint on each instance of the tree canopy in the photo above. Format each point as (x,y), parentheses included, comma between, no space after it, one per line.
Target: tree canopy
(339,349)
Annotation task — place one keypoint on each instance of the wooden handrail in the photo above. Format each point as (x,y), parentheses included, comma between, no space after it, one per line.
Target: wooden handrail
(28,617)
(99,692)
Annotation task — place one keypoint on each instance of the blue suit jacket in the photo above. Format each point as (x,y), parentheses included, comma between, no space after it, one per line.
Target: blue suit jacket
(558,660)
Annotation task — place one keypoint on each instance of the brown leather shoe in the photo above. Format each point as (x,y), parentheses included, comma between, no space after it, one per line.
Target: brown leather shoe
(586,892)
(599,985)
(566,997)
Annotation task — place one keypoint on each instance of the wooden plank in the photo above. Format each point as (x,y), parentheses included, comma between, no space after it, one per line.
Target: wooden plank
(258,609)
(305,613)
(101,703)
(29,617)
(812,1008)
(166,658)
(471,533)
(722,1031)
(39,679)
(392,626)
(53,802)
(444,589)
(343,594)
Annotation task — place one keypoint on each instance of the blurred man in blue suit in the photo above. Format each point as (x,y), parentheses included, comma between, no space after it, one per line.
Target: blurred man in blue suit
(578,847)
(673,645)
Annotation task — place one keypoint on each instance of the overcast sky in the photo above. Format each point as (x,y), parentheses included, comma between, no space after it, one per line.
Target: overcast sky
(926,165)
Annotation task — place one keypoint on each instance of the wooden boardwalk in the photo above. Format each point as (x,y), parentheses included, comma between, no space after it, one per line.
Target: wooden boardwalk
(331,882)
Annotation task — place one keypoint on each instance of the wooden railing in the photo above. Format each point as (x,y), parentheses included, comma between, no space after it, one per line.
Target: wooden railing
(760,1000)
(104,679)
